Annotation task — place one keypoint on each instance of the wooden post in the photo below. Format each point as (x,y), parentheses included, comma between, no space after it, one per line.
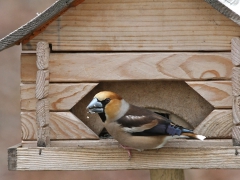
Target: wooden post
(235,55)
(167,174)
(42,91)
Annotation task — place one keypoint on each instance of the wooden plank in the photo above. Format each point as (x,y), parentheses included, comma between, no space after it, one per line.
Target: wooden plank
(66,158)
(42,84)
(236,135)
(167,174)
(12,157)
(236,110)
(227,8)
(63,125)
(111,143)
(235,51)
(42,112)
(80,67)
(61,97)
(43,52)
(218,124)
(236,81)
(217,93)
(140,26)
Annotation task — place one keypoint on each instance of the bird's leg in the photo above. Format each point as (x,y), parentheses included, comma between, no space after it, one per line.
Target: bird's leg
(128,151)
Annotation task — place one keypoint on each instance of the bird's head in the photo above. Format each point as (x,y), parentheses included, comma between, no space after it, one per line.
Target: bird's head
(107,103)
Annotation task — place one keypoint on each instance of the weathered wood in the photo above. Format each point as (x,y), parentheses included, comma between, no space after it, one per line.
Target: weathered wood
(236,135)
(236,110)
(66,158)
(167,174)
(218,124)
(158,96)
(37,24)
(61,97)
(63,125)
(12,157)
(79,67)
(43,138)
(43,52)
(226,8)
(235,51)
(42,112)
(236,81)
(140,26)
(42,84)
(111,143)
(217,93)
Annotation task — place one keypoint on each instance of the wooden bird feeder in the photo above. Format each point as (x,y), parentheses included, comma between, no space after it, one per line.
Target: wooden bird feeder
(179,58)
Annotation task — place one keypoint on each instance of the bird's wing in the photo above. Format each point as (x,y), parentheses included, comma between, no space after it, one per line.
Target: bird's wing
(142,122)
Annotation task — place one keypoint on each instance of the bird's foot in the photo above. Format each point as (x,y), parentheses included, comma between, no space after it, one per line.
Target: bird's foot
(128,151)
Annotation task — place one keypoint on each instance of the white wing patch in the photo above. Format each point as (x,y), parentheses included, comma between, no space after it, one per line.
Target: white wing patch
(135,117)
(132,129)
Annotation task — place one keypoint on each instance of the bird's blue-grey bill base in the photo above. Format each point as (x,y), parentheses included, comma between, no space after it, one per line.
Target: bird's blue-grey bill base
(135,127)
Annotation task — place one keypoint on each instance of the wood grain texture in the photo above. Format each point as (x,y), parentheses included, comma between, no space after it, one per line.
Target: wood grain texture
(43,52)
(61,97)
(37,24)
(79,67)
(111,143)
(63,125)
(236,81)
(42,112)
(132,25)
(66,158)
(167,174)
(42,84)
(217,93)
(236,110)
(225,9)
(43,138)
(236,135)
(218,124)
(235,51)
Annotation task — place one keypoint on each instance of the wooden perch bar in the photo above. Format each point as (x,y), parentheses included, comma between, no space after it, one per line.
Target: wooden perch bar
(42,84)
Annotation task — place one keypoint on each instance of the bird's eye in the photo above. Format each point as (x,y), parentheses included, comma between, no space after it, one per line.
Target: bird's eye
(107,100)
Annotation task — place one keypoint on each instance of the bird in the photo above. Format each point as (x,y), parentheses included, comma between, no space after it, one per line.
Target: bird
(135,127)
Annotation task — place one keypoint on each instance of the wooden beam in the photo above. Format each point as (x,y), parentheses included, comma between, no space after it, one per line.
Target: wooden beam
(236,81)
(63,125)
(80,67)
(235,51)
(61,97)
(43,52)
(112,143)
(218,124)
(236,110)
(105,158)
(140,26)
(12,157)
(167,174)
(42,84)
(217,93)
(236,135)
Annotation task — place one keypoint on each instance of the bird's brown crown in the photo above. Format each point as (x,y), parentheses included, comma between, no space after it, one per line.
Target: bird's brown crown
(107,94)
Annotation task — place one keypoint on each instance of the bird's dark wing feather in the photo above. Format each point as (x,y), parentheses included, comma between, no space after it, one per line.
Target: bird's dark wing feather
(142,122)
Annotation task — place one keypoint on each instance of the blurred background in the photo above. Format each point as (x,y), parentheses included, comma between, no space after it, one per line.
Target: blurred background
(15,13)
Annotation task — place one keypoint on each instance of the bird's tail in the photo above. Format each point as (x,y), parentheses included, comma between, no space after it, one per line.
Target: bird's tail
(192,135)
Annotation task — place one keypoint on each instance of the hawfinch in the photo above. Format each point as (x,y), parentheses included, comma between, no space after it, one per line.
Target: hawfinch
(135,127)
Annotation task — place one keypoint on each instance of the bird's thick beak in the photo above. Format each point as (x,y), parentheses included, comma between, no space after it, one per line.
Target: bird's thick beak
(95,106)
